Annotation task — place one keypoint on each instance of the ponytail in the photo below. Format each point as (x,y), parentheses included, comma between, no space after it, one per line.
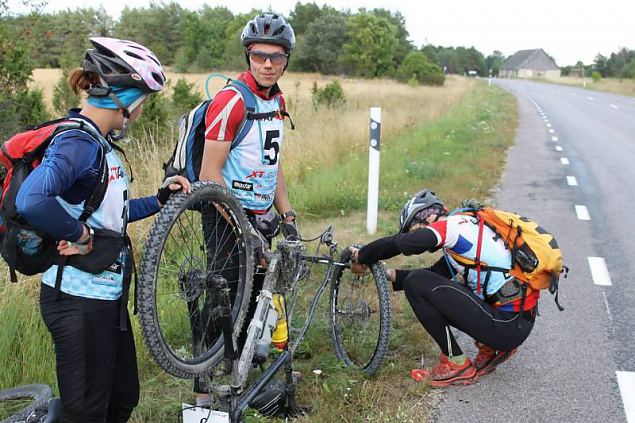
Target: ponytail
(80,80)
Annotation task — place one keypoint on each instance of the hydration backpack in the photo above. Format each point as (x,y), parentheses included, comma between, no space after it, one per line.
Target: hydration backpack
(24,248)
(188,152)
(537,261)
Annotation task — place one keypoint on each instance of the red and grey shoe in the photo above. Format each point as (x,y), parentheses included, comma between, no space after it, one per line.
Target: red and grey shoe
(446,373)
(488,358)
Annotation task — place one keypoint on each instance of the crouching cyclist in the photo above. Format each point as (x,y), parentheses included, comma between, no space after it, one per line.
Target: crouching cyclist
(441,300)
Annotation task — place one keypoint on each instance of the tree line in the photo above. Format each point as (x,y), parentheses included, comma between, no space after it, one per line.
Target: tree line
(366,43)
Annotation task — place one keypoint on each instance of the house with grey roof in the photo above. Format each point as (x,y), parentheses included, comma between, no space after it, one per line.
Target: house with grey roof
(529,64)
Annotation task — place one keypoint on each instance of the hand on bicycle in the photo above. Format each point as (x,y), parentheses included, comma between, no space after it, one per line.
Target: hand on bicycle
(260,245)
(289,226)
(356,267)
(170,185)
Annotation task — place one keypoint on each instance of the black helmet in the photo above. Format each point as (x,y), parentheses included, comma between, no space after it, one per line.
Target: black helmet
(422,200)
(269,28)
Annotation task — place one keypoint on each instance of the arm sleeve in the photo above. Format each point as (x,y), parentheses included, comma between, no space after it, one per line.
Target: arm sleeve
(224,116)
(71,158)
(140,208)
(380,249)
(417,242)
(408,244)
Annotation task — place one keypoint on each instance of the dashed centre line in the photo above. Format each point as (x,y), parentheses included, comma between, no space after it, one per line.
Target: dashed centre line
(614,106)
(554,139)
(571,180)
(558,148)
(551,131)
(564,161)
(599,272)
(582,212)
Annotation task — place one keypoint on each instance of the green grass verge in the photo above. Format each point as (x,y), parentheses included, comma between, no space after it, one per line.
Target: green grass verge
(460,155)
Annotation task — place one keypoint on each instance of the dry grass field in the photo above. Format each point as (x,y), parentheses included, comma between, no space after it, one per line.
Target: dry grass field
(609,85)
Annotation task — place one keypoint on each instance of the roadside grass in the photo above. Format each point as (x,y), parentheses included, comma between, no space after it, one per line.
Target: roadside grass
(452,139)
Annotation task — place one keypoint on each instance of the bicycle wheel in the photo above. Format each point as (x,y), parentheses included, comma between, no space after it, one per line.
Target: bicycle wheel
(360,316)
(16,404)
(195,238)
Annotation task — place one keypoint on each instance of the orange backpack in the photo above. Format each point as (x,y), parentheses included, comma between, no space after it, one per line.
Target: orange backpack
(536,257)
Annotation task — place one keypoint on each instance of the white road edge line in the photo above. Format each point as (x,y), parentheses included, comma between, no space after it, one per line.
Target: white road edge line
(558,148)
(571,180)
(582,212)
(626,382)
(599,272)
(564,160)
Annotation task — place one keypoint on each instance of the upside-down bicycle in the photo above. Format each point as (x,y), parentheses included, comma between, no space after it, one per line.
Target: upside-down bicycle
(195,292)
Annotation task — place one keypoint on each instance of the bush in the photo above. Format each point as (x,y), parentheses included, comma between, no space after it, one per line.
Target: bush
(596,76)
(331,95)
(155,118)
(416,65)
(184,98)
(21,110)
(63,96)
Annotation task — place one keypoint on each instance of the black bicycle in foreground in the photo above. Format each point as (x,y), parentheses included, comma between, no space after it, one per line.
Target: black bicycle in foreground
(29,404)
(195,291)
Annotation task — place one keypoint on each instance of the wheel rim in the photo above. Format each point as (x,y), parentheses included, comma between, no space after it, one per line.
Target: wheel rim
(200,245)
(356,318)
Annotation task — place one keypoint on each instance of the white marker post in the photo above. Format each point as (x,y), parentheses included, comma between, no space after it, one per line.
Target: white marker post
(373,169)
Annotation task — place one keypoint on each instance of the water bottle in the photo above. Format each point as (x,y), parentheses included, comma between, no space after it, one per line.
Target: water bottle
(280,336)
(264,342)
(29,242)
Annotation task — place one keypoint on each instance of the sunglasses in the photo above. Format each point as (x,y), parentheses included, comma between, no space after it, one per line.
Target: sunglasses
(276,59)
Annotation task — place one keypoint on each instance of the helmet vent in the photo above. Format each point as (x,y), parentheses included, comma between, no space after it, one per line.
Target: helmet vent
(135,55)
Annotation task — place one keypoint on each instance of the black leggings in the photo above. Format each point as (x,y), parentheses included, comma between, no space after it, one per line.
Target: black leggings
(96,362)
(440,303)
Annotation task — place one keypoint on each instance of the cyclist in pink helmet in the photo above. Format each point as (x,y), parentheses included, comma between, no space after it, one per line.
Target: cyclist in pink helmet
(84,293)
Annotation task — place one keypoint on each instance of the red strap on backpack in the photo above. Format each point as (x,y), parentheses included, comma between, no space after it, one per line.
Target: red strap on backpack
(478,255)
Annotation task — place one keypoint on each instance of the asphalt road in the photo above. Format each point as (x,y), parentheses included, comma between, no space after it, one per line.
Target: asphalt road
(566,370)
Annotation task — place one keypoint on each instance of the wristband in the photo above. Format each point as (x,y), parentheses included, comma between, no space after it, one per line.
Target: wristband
(91,235)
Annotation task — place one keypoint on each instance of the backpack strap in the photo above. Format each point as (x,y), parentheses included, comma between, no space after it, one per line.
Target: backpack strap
(251,110)
(477,259)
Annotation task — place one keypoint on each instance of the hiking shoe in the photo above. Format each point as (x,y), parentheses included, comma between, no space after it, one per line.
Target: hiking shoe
(446,373)
(488,358)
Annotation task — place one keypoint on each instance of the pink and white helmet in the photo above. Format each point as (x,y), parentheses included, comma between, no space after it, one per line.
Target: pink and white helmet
(124,63)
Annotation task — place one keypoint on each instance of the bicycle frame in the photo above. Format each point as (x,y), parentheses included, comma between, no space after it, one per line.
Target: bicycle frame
(287,267)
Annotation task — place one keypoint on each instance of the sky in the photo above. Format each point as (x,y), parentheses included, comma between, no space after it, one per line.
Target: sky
(568,31)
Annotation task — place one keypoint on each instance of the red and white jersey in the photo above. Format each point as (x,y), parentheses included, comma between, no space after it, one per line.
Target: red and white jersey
(458,234)
(251,169)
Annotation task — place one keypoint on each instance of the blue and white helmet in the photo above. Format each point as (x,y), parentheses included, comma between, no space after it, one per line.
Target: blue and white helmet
(424,200)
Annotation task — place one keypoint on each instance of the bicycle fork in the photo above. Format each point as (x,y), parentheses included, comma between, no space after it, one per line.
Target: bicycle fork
(256,327)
